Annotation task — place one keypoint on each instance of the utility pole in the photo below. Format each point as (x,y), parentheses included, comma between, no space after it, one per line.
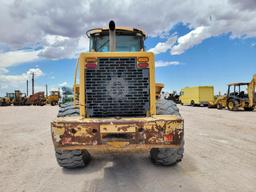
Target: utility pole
(27,88)
(33,83)
(46,90)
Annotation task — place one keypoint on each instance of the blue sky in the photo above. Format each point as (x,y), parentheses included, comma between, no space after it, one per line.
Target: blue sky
(216,61)
(211,48)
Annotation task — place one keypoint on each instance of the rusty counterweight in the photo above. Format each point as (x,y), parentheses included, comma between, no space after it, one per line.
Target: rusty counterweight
(98,133)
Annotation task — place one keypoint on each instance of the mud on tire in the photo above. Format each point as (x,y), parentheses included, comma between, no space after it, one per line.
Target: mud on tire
(167,156)
(73,159)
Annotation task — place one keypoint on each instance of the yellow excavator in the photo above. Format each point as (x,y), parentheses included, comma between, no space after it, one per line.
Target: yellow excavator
(239,96)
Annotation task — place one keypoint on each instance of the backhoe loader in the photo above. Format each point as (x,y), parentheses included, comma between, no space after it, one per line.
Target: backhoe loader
(239,96)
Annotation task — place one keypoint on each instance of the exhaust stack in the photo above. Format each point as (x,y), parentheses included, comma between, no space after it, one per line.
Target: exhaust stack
(27,88)
(112,36)
(33,83)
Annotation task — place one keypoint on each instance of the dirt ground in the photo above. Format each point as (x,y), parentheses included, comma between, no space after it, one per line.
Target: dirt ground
(220,155)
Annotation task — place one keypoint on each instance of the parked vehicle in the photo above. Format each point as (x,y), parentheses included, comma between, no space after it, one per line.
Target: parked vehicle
(239,96)
(36,99)
(53,98)
(199,95)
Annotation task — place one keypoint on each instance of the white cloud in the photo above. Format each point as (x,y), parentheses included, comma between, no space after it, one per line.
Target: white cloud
(59,47)
(10,82)
(30,23)
(192,38)
(63,84)
(162,47)
(166,63)
(13,58)
(37,72)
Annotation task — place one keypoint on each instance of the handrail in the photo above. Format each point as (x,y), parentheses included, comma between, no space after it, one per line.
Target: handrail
(75,76)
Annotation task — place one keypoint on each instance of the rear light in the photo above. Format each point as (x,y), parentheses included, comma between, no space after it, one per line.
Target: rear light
(143,62)
(91,63)
(168,138)
(143,65)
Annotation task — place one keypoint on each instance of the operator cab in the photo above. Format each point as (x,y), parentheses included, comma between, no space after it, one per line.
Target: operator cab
(121,39)
(238,90)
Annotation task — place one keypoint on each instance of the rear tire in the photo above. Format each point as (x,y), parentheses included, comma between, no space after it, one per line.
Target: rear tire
(73,159)
(232,105)
(166,107)
(167,156)
(68,110)
(192,103)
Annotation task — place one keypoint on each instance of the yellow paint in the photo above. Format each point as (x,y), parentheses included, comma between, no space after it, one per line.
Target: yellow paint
(221,100)
(160,123)
(152,84)
(118,144)
(251,91)
(82,86)
(107,120)
(172,126)
(198,95)
(54,97)
(159,87)
(79,131)
(116,128)
(75,77)
(59,131)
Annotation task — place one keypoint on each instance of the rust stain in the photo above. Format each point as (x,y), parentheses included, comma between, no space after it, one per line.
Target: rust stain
(89,133)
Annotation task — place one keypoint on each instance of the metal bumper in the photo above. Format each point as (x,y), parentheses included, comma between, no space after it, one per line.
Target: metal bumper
(117,134)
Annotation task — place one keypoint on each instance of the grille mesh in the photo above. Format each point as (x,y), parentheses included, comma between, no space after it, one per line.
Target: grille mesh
(117,88)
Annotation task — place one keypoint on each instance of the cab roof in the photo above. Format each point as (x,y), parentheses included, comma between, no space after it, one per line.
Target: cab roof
(236,84)
(123,30)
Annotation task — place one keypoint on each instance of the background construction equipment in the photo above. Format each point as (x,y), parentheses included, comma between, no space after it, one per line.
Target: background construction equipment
(239,96)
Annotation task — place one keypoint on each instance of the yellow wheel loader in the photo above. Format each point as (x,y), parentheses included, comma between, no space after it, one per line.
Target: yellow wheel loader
(239,96)
(5,101)
(19,98)
(53,98)
(117,109)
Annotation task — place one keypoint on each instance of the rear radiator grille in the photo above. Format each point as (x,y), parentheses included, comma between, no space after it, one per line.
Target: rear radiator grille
(117,88)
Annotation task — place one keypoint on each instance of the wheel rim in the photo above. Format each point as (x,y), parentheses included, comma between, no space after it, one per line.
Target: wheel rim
(230,105)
